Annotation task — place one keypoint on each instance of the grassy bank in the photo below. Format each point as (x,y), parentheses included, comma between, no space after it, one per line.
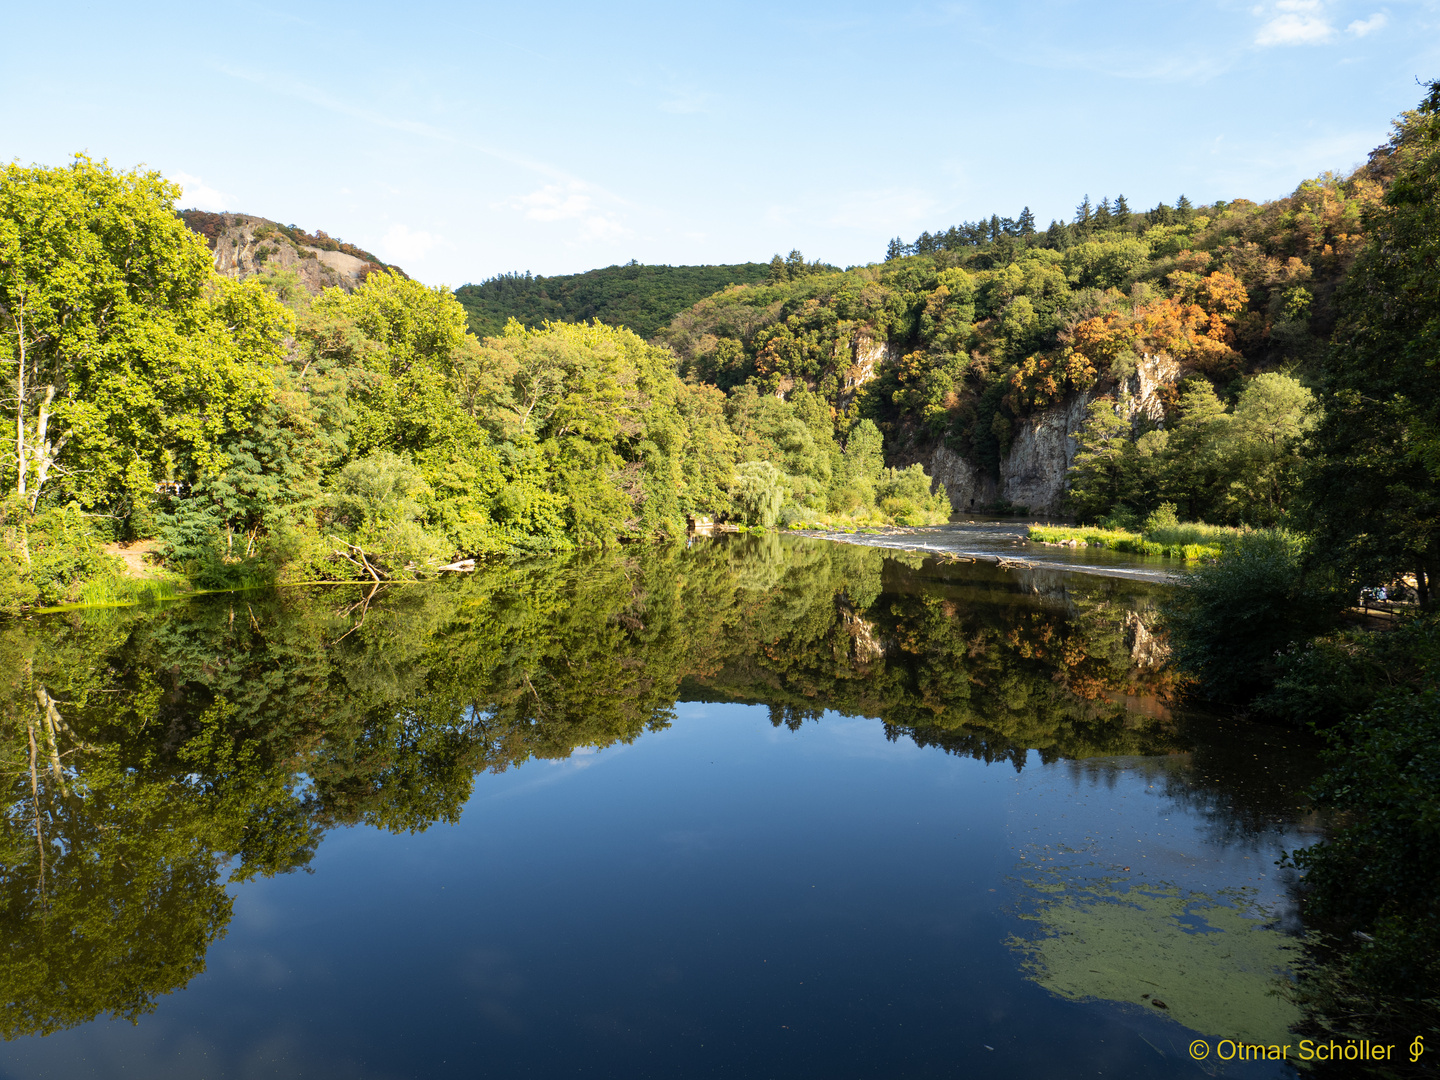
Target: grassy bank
(1192,541)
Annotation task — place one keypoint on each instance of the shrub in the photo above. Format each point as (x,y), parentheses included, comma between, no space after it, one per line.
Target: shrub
(1165,517)
(1234,616)
(1122,519)
(1376,874)
(1321,682)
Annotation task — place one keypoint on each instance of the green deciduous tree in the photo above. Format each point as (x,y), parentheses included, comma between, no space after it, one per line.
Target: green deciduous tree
(128,360)
(1372,489)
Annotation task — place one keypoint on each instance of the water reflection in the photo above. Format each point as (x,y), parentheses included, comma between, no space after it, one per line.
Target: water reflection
(155,757)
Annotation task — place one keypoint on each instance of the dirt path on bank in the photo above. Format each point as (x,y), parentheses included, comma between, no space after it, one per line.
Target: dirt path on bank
(133,555)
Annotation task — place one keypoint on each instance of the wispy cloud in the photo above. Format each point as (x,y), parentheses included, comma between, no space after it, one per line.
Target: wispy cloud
(1298,22)
(200,195)
(555,202)
(687,101)
(313,95)
(1361,27)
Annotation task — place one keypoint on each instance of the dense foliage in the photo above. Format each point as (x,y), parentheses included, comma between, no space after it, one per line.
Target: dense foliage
(1250,629)
(1374,485)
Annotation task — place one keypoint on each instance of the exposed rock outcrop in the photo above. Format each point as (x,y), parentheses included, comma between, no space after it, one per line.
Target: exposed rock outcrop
(1033,472)
(1140,394)
(968,486)
(246,245)
(867,357)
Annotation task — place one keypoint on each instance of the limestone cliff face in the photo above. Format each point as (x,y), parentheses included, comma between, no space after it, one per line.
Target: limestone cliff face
(968,486)
(1033,472)
(244,245)
(867,356)
(1140,394)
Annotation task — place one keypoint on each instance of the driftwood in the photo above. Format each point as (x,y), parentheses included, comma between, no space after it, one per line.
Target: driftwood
(361,560)
(464,566)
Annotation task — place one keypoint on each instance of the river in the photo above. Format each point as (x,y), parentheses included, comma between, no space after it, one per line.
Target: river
(746,806)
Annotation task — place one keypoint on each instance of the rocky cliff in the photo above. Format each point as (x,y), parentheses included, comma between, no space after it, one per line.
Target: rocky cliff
(245,245)
(1033,472)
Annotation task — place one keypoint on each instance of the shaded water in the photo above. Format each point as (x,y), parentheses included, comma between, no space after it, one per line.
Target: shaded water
(749,807)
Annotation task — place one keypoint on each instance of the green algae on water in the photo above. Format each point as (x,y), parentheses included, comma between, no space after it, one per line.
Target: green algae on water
(1217,965)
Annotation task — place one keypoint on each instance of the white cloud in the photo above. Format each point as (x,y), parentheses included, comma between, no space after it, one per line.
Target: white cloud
(1298,22)
(1361,27)
(602,227)
(555,202)
(402,243)
(569,202)
(1292,29)
(200,195)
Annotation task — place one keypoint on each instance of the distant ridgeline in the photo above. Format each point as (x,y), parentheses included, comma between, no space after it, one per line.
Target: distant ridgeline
(1088,219)
(643,298)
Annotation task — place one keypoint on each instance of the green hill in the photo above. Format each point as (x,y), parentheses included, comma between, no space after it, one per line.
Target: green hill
(643,298)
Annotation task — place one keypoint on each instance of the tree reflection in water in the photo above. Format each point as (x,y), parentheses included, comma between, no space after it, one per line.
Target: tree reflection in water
(155,756)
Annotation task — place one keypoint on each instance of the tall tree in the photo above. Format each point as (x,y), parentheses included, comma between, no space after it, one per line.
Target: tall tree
(1373,484)
(125,354)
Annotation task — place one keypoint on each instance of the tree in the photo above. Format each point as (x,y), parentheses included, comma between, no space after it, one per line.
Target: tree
(758,492)
(1101,475)
(1120,211)
(1263,442)
(126,354)
(1372,484)
(1197,472)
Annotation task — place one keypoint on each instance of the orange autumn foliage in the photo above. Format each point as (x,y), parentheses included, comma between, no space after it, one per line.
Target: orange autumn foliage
(1039,380)
(1195,326)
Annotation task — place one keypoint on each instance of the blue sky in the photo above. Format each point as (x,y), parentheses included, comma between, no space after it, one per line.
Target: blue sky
(464,141)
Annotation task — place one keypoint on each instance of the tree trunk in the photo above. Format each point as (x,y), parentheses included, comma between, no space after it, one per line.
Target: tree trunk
(20,462)
(45,454)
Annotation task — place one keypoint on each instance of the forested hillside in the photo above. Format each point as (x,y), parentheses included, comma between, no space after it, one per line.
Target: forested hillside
(969,339)
(256,423)
(641,298)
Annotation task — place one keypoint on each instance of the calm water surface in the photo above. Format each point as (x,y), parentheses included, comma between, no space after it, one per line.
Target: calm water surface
(761,808)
